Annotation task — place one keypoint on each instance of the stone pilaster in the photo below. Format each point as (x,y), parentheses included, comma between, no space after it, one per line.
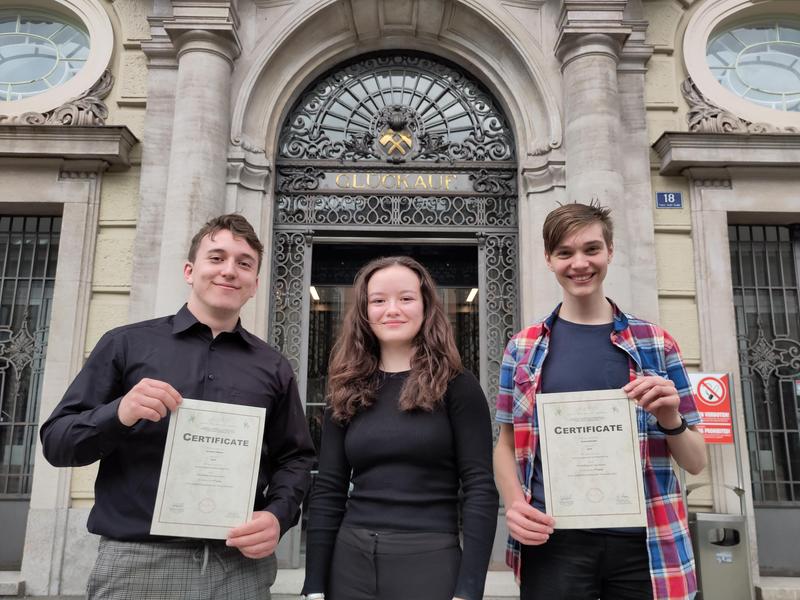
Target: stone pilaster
(162,74)
(204,35)
(634,152)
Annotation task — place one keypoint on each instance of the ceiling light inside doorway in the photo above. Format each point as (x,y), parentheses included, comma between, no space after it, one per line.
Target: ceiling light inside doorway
(472,293)
(315,295)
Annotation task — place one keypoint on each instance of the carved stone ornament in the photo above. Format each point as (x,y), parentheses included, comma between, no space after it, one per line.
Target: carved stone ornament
(488,182)
(85,110)
(299,179)
(247,145)
(705,117)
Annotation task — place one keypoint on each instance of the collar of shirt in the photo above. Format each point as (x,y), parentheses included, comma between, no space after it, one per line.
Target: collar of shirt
(185,320)
(620,319)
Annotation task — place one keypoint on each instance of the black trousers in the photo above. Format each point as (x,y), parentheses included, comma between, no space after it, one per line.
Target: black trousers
(582,565)
(371,565)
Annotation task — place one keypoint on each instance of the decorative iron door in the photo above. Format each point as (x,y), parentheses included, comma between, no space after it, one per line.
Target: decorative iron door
(28,251)
(397,145)
(764,260)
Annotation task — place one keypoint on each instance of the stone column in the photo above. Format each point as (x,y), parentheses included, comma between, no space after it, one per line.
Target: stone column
(591,35)
(206,48)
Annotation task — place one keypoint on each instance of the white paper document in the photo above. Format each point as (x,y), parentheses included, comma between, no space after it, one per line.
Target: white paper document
(210,469)
(591,461)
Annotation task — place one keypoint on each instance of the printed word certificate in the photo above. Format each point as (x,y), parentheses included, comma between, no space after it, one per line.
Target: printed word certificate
(210,469)
(591,463)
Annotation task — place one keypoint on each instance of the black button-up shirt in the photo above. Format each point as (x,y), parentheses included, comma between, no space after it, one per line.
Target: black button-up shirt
(235,367)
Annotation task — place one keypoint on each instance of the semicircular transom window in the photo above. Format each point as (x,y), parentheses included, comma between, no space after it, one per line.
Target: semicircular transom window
(38,51)
(397,108)
(759,62)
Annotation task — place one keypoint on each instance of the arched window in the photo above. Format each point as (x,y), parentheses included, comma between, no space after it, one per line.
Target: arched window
(397,108)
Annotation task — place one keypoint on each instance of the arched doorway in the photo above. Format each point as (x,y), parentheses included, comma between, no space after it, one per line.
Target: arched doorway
(393,153)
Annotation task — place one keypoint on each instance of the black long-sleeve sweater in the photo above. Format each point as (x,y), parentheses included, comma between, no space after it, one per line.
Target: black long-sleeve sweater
(406,469)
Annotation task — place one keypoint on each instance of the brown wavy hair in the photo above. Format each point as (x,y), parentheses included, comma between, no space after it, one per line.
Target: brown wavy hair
(353,377)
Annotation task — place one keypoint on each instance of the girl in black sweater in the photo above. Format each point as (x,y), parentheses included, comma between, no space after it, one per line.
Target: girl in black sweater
(405,428)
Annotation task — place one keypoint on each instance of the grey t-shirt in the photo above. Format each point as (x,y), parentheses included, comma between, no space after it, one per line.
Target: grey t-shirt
(580,358)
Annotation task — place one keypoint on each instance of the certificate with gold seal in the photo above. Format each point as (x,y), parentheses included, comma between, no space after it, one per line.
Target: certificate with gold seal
(591,460)
(209,472)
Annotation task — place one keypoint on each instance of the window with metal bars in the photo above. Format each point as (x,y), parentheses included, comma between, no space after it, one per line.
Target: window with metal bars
(28,253)
(765,261)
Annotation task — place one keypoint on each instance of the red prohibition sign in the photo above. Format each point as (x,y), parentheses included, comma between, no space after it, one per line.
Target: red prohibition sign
(711,390)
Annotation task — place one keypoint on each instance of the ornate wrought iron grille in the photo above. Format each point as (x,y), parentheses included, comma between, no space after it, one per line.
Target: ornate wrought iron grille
(397,108)
(434,156)
(764,261)
(28,250)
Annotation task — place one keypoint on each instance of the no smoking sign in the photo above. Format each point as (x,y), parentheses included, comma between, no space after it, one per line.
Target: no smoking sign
(712,390)
(713,400)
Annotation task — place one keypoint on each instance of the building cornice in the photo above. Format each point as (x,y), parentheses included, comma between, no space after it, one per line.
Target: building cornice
(159,49)
(636,52)
(591,27)
(110,144)
(206,20)
(682,150)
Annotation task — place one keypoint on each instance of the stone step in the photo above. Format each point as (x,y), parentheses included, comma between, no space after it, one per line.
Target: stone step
(778,588)
(296,597)
(500,585)
(11,583)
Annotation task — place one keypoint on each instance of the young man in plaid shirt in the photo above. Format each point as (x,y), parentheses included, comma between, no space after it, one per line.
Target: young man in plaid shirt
(587,343)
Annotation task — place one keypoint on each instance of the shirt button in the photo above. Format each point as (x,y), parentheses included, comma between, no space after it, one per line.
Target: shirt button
(211,376)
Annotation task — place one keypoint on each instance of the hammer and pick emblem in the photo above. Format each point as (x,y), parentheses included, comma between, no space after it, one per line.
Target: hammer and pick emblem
(396,141)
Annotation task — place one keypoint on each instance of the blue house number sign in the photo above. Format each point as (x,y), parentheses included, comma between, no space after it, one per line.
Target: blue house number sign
(669,200)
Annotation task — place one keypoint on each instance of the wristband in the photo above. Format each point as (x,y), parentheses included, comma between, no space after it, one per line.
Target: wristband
(314,596)
(676,431)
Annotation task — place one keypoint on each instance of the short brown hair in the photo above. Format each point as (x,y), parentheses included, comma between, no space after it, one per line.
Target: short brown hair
(568,218)
(236,224)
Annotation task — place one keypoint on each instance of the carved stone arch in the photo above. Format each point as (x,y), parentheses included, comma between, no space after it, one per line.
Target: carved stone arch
(313,36)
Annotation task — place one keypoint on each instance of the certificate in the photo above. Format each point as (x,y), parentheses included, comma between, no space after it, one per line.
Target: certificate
(210,469)
(591,463)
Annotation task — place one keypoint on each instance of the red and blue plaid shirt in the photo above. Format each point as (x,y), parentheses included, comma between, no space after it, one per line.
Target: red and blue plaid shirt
(651,351)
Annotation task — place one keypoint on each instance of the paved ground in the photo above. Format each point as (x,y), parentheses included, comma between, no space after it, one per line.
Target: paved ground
(499,586)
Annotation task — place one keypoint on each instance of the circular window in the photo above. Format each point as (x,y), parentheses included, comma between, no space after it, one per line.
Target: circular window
(759,62)
(38,52)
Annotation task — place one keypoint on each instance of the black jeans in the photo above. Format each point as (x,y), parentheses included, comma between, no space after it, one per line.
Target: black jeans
(583,565)
(369,565)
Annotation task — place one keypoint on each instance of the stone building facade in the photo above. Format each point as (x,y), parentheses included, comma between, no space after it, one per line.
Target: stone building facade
(446,128)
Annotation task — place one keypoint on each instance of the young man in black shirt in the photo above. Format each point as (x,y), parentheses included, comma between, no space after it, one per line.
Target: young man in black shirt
(115,412)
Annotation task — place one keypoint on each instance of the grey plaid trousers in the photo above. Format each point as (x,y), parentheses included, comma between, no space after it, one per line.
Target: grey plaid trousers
(188,569)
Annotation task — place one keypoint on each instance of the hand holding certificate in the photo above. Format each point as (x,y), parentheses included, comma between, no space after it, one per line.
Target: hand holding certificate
(209,472)
(591,462)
